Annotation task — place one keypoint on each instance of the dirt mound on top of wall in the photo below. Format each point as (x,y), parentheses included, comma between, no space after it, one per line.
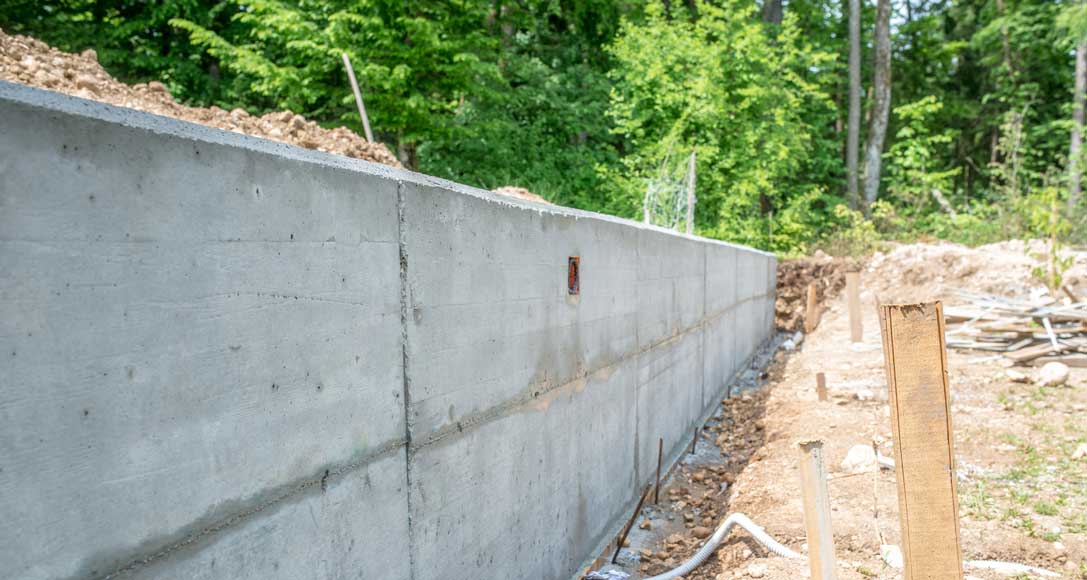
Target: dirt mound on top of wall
(792,286)
(32,62)
(520,193)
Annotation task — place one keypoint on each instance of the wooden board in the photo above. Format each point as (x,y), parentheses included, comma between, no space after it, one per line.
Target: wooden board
(813,481)
(811,312)
(853,298)
(1072,360)
(821,386)
(915,358)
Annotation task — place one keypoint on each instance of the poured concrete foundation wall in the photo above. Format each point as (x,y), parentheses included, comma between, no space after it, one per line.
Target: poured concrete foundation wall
(229,358)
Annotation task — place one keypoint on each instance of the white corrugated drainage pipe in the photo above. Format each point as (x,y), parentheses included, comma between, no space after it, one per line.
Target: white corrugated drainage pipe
(736,519)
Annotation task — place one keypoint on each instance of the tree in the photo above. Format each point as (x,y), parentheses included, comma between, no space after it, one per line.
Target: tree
(1074,20)
(772,11)
(852,149)
(737,93)
(881,102)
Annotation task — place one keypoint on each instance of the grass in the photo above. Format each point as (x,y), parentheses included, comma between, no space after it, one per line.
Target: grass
(1043,491)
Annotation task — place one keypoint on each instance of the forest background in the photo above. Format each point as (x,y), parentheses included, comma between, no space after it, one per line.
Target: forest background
(826,124)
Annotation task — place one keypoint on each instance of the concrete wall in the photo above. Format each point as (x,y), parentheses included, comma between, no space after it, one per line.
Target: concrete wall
(224,357)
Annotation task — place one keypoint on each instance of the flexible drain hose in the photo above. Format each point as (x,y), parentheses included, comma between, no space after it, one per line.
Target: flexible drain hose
(736,519)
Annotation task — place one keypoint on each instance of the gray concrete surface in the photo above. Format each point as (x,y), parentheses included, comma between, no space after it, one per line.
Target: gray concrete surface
(224,357)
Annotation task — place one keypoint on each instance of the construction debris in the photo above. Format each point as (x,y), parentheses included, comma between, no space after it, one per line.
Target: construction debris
(1025,332)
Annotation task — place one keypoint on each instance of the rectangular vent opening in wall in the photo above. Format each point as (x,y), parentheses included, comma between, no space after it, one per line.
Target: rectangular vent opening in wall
(573,275)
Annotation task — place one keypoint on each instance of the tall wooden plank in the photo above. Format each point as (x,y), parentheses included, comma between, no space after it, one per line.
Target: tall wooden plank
(915,356)
(821,386)
(853,297)
(813,480)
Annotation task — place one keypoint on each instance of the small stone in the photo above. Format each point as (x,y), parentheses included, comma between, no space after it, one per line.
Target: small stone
(156,87)
(1080,451)
(626,542)
(865,395)
(746,553)
(860,459)
(756,570)
(891,555)
(87,82)
(645,525)
(701,532)
(688,517)
(89,54)
(1053,374)
(1016,376)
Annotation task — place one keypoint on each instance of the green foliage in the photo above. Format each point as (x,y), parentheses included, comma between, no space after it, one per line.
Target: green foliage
(913,173)
(723,86)
(583,101)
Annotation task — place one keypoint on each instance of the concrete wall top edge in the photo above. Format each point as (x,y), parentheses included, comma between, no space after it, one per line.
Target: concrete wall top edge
(61,103)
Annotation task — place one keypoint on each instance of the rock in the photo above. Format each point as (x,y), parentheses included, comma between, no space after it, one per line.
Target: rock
(865,395)
(626,542)
(1080,451)
(1053,374)
(1016,376)
(756,570)
(156,87)
(89,54)
(645,525)
(861,458)
(701,532)
(891,555)
(746,553)
(87,82)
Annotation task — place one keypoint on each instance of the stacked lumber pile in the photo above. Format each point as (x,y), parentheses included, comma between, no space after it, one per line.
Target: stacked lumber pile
(1025,333)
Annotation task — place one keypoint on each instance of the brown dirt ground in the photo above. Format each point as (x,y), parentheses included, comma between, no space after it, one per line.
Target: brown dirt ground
(1022,493)
(792,286)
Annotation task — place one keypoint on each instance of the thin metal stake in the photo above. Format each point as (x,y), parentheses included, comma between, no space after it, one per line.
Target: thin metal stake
(630,524)
(660,455)
(358,99)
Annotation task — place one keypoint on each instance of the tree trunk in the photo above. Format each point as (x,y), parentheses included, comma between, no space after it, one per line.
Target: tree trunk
(881,103)
(772,11)
(1077,127)
(853,137)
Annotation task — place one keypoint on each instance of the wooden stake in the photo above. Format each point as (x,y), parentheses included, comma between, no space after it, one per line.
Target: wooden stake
(660,455)
(810,313)
(358,99)
(813,479)
(821,386)
(853,296)
(915,357)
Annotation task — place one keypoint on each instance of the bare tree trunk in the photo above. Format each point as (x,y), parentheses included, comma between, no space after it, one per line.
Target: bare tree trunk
(1077,127)
(852,147)
(881,103)
(772,11)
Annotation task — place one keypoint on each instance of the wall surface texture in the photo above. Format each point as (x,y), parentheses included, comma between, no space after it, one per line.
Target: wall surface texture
(229,358)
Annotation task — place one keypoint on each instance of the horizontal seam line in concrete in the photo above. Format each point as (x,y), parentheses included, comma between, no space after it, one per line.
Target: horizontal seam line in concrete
(530,395)
(232,520)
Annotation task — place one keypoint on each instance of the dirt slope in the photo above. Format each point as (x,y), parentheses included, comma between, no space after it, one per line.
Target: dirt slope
(32,62)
